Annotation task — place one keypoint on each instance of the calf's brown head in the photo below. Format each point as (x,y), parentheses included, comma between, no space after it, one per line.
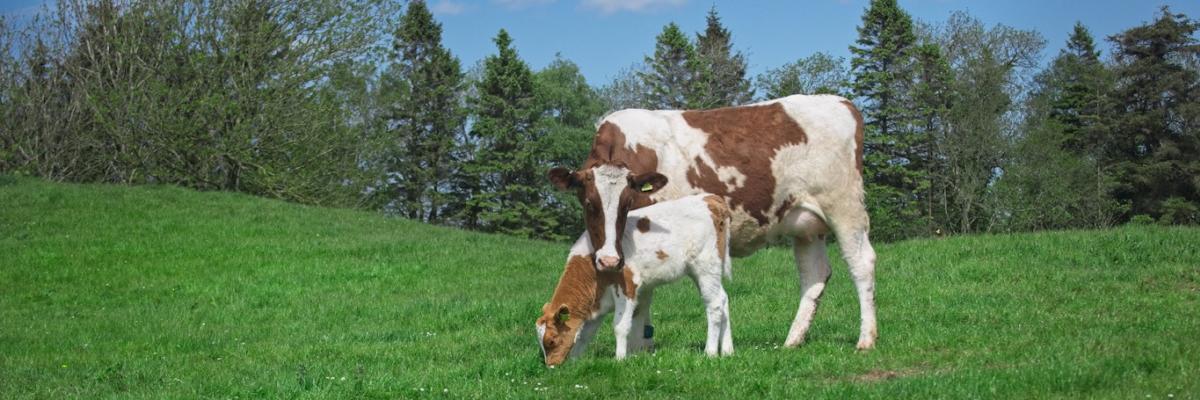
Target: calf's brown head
(607,192)
(557,333)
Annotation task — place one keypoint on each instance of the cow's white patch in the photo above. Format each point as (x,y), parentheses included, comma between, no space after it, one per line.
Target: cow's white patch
(541,330)
(731,177)
(610,181)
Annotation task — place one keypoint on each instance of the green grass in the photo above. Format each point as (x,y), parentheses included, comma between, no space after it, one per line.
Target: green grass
(160,292)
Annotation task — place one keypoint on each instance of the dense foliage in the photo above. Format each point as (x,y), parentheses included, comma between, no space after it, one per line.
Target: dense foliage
(357,103)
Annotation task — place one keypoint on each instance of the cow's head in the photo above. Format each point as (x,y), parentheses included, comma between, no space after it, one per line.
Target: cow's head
(607,192)
(557,332)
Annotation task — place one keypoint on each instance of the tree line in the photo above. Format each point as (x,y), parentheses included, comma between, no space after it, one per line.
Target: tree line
(358,104)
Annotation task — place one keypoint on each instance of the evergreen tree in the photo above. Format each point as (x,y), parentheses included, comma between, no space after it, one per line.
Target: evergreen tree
(1078,85)
(932,99)
(881,63)
(1058,161)
(424,84)
(508,161)
(1156,142)
(720,71)
(670,80)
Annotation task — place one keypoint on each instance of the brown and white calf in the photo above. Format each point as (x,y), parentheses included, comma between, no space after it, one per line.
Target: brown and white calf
(687,236)
(787,167)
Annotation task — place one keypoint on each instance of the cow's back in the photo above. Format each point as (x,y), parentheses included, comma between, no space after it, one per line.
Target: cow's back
(766,159)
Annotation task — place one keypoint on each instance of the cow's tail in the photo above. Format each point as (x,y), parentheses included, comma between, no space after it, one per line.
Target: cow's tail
(727,262)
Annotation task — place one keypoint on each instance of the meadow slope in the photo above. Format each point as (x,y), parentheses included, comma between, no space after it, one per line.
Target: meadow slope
(161,292)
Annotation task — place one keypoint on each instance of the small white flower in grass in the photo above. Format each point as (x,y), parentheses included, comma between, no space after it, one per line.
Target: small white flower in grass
(446,390)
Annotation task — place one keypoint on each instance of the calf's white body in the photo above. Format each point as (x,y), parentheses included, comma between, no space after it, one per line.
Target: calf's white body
(662,243)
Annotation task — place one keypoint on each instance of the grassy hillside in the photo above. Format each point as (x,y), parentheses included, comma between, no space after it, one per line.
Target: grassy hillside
(157,292)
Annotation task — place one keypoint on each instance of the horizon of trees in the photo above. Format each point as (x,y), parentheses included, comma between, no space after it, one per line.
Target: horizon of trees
(358,104)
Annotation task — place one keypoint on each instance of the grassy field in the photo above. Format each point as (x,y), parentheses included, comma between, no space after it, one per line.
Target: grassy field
(159,292)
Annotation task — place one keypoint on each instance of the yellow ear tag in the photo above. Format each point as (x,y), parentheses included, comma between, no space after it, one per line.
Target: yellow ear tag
(646,187)
(563,318)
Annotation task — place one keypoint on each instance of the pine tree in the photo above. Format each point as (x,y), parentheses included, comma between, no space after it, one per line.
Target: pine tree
(509,160)
(720,71)
(425,83)
(1156,142)
(1079,84)
(671,77)
(882,67)
(1058,159)
(932,99)
(1054,179)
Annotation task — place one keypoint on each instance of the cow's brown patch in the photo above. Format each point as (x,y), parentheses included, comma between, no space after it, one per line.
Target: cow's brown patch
(662,255)
(720,216)
(643,225)
(745,138)
(609,148)
(858,134)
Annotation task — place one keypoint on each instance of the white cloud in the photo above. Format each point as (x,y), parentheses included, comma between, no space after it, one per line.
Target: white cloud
(516,4)
(447,7)
(614,6)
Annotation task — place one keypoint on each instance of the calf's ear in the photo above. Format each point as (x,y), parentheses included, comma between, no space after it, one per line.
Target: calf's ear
(563,178)
(564,314)
(647,183)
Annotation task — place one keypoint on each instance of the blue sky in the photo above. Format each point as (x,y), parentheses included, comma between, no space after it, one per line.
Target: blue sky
(604,36)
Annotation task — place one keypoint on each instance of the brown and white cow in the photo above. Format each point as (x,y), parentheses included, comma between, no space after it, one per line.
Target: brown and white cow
(787,167)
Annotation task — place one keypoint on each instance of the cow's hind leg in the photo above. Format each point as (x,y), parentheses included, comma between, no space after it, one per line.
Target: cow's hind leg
(812,263)
(850,223)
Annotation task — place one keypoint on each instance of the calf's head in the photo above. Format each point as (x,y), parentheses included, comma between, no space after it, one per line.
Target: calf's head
(607,192)
(557,333)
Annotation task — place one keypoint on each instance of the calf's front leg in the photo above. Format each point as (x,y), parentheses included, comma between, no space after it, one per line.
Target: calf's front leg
(641,331)
(623,323)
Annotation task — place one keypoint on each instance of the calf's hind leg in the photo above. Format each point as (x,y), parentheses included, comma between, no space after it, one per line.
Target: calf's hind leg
(716,307)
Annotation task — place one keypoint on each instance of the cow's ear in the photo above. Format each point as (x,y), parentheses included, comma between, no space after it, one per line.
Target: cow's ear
(647,183)
(563,178)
